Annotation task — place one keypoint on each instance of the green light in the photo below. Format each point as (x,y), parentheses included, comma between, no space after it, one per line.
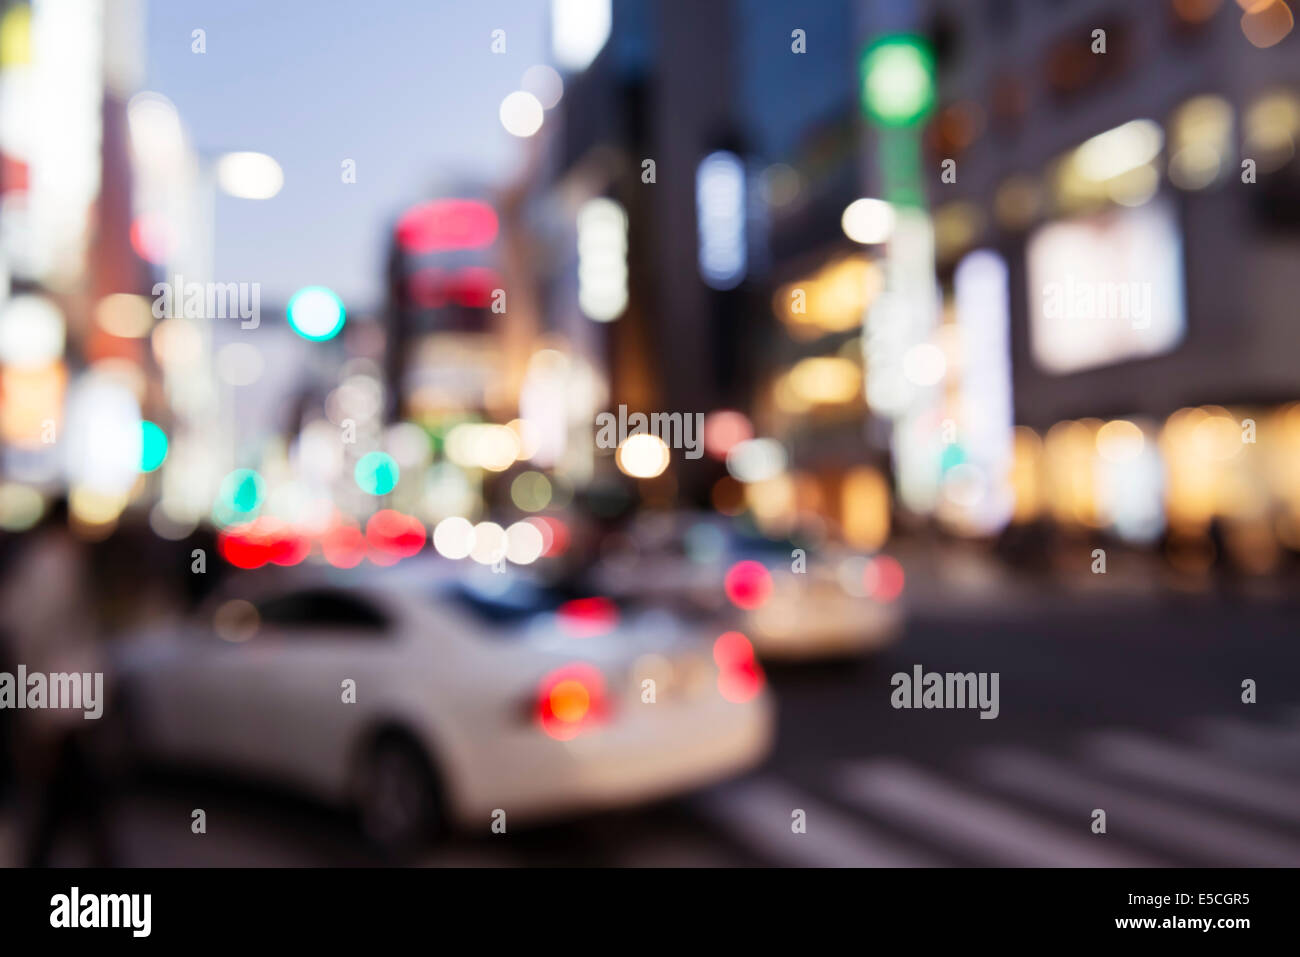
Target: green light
(376,473)
(316,313)
(153,446)
(241,492)
(898,80)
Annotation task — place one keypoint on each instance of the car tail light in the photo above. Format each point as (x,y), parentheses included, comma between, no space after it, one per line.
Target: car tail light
(570,699)
(588,617)
(748,584)
(740,678)
(883,578)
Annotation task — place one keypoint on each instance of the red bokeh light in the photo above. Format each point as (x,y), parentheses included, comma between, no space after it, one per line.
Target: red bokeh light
(393,535)
(570,699)
(428,287)
(241,549)
(263,541)
(433,288)
(472,286)
(588,617)
(883,578)
(748,584)
(14,174)
(445,224)
(555,535)
(731,649)
(343,546)
(151,240)
(740,677)
(723,429)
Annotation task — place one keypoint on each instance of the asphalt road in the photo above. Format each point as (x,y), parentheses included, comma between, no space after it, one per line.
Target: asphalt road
(1123,702)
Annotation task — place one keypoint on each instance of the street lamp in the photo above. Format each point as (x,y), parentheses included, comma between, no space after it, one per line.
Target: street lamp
(248,175)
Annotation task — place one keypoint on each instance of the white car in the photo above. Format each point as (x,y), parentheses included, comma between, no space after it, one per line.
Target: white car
(814,615)
(468,700)
(832,603)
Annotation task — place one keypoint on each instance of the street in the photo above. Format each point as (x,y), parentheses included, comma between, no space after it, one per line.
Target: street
(1129,705)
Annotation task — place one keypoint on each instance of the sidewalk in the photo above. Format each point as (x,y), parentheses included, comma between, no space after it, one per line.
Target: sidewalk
(960,578)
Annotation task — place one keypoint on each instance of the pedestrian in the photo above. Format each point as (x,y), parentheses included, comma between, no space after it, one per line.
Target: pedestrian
(51,629)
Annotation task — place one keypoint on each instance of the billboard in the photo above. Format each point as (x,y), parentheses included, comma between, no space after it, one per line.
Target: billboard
(1105,288)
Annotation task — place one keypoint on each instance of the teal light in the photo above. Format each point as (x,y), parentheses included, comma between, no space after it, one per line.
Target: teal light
(953,456)
(240,495)
(898,80)
(153,446)
(376,473)
(316,313)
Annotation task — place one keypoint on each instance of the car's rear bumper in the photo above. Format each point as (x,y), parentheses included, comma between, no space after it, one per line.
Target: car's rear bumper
(648,751)
(781,636)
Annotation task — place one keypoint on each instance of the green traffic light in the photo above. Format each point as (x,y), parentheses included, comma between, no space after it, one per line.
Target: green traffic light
(316,313)
(898,80)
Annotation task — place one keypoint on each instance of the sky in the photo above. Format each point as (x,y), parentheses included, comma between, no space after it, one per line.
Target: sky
(409,90)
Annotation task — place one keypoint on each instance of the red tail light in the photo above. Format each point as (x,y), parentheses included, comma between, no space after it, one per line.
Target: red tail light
(588,617)
(883,578)
(740,677)
(570,699)
(264,540)
(748,584)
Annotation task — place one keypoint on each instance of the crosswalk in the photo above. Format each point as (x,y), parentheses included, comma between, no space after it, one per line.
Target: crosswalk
(1206,800)
(1273,748)
(1222,791)
(760,815)
(982,826)
(1140,756)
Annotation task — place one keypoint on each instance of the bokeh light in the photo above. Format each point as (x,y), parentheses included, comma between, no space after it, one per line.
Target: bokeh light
(394,535)
(521,114)
(748,584)
(524,543)
(530,491)
(316,313)
(489,543)
(236,620)
(544,83)
(898,80)
(868,221)
(739,676)
(453,537)
(241,493)
(643,456)
(153,446)
(249,175)
(376,473)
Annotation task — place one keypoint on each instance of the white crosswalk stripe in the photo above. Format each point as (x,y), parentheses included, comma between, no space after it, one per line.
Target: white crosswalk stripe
(757,813)
(1190,771)
(994,832)
(1248,742)
(1195,834)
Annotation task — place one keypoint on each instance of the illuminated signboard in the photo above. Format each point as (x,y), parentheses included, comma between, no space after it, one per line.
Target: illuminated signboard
(1105,288)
